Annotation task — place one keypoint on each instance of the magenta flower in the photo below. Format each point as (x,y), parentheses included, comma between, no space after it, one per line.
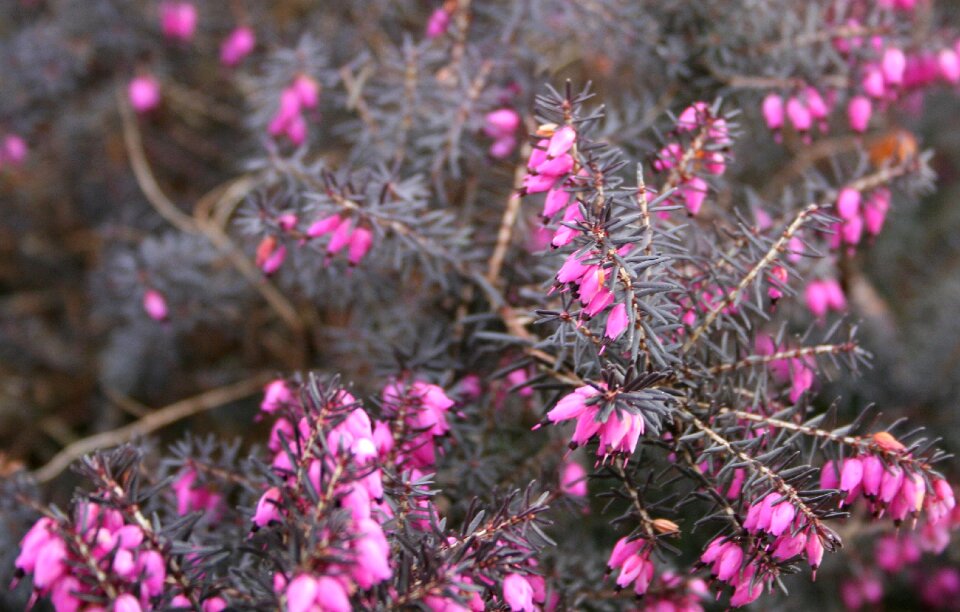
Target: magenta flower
(773,112)
(617,321)
(518,593)
(237,45)
(144,93)
(155,305)
(178,20)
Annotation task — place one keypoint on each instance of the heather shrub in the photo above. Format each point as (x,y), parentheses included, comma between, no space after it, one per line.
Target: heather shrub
(532,305)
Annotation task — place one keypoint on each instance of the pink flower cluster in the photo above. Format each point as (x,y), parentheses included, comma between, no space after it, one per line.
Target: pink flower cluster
(549,164)
(344,234)
(686,164)
(889,488)
(421,408)
(885,77)
(49,552)
(858,215)
(178,20)
(823,295)
(590,281)
(301,95)
(501,125)
(619,433)
(799,371)
(632,558)
(792,535)
(192,497)
(726,560)
(417,414)
(805,109)
(350,444)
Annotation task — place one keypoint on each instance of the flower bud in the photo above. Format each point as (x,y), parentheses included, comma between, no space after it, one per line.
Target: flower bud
(859,111)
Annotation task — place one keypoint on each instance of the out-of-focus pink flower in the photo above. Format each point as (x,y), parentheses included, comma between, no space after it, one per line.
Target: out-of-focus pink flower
(438,23)
(859,111)
(573,479)
(237,45)
(178,20)
(144,93)
(773,111)
(13,151)
(155,305)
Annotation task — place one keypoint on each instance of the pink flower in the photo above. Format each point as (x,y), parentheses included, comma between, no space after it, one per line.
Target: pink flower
(852,230)
(859,111)
(126,603)
(949,63)
(438,23)
(33,542)
(500,123)
(692,116)
(322,227)
(875,211)
(267,508)
(773,111)
(565,233)
(801,378)
(276,395)
(301,593)
(332,596)
(178,20)
(815,103)
(816,297)
(155,305)
(270,255)
(836,300)
(851,474)
(237,45)
(573,479)
(502,147)
(873,83)
(144,93)
(799,115)
(287,111)
(893,64)
(848,203)
(14,150)
(617,321)
(307,91)
(153,568)
(360,242)
(561,141)
(693,193)
(518,593)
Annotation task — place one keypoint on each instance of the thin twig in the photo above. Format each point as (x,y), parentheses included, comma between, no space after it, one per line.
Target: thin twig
(151,422)
(821,349)
(766,260)
(145,178)
(508,220)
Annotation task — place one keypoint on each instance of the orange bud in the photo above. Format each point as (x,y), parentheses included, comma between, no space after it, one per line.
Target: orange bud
(546,130)
(662,525)
(887,442)
(892,147)
(265,249)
